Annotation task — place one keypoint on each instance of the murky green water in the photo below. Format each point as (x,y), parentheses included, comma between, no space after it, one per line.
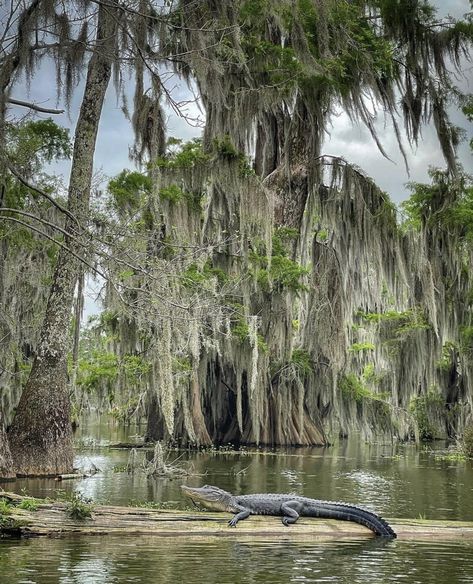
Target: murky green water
(106,560)
(399,481)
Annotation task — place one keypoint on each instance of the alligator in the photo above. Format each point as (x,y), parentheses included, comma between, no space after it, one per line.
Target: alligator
(290,507)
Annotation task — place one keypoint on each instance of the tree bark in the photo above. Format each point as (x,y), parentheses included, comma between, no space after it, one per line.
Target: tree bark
(269,143)
(200,429)
(40,436)
(6,461)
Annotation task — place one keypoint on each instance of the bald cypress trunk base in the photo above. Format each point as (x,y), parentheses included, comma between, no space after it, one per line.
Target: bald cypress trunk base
(6,461)
(41,438)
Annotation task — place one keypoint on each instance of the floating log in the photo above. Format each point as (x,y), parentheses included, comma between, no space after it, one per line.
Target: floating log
(68,477)
(130,445)
(52,519)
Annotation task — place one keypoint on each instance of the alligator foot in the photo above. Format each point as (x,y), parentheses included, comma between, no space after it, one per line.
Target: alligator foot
(285,521)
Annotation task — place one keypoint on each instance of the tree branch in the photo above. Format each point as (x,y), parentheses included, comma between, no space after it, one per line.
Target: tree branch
(34,188)
(59,243)
(33,106)
(41,220)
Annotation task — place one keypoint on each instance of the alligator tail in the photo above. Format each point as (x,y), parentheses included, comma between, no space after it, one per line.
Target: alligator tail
(346,512)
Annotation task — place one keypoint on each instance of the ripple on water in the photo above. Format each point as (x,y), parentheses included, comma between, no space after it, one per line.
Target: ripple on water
(220,561)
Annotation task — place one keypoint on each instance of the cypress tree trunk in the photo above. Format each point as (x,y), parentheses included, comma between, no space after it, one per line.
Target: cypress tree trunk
(40,436)
(154,421)
(6,461)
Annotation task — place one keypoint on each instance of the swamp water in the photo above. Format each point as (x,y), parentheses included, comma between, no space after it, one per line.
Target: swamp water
(395,481)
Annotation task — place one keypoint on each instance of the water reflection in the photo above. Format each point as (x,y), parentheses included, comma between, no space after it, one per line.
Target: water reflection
(167,561)
(393,480)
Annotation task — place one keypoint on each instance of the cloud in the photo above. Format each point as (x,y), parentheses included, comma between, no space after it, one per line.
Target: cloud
(355,144)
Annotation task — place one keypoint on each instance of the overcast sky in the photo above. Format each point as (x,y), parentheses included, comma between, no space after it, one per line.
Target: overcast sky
(353,143)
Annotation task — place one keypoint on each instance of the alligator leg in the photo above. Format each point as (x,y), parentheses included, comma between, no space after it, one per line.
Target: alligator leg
(244,513)
(290,511)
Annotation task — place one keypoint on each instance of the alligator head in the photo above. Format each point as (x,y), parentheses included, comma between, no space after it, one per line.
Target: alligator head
(210,497)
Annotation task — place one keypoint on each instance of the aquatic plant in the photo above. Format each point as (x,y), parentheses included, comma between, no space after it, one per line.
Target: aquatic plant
(78,506)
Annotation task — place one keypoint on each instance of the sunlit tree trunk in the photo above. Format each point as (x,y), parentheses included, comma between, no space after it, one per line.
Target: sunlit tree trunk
(40,436)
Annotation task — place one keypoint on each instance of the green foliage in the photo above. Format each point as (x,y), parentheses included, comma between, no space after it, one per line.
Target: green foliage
(322,235)
(108,319)
(224,148)
(31,144)
(284,272)
(400,322)
(174,194)
(446,203)
(357,53)
(283,236)
(252,10)
(360,347)
(274,63)
(353,388)
(97,370)
(171,193)
(79,507)
(447,359)
(302,359)
(100,366)
(357,50)
(262,344)
(29,504)
(240,328)
(195,277)
(134,366)
(356,388)
(129,191)
(5,506)
(186,156)
(370,376)
(7,522)
(420,407)
(454,456)
(181,365)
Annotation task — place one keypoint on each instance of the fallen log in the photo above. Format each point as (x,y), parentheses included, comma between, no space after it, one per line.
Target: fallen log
(130,445)
(68,477)
(52,519)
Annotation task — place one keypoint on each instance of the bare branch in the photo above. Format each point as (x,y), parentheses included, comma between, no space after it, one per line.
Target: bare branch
(33,106)
(36,189)
(59,243)
(41,220)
